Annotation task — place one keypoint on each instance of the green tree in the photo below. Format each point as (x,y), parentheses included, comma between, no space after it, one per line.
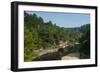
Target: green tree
(85,43)
(29,45)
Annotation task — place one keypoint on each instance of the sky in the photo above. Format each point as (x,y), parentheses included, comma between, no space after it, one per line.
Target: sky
(67,20)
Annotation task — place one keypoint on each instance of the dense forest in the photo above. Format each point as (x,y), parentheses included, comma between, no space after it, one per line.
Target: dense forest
(40,35)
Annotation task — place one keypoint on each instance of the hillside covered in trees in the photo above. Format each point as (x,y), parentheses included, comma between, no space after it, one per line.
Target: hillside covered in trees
(59,41)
